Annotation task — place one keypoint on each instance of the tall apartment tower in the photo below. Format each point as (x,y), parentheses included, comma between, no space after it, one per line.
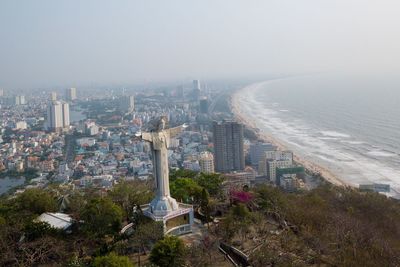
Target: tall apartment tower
(70,94)
(196,90)
(206,162)
(204,105)
(65,114)
(57,115)
(53,96)
(228,146)
(19,100)
(127,103)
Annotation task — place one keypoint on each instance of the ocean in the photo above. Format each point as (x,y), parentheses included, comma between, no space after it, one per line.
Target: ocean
(347,124)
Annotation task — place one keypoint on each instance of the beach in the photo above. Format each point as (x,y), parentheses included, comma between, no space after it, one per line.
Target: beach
(308,165)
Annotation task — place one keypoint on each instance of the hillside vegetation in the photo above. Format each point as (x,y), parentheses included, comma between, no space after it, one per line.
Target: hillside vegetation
(328,226)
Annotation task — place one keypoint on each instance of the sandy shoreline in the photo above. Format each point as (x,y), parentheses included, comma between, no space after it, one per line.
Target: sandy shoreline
(310,166)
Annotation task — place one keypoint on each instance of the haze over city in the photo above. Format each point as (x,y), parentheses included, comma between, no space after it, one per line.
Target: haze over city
(199,133)
(62,43)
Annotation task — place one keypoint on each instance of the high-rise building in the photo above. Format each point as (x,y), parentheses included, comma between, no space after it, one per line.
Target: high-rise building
(54,115)
(53,96)
(1,92)
(65,114)
(196,90)
(196,84)
(180,92)
(19,100)
(70,94)
(228,146)
(257,151)
(204,105)
(57,115)
(206,161)
(127,103)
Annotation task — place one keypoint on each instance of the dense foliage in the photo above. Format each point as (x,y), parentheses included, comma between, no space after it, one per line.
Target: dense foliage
(327,226)
(102,216)
(112,260)
(98,219)
(168,252)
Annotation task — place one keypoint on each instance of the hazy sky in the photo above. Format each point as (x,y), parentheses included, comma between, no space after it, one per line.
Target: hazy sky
(61,43)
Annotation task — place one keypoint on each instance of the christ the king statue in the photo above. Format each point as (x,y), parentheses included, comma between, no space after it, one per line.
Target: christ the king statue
(159,138)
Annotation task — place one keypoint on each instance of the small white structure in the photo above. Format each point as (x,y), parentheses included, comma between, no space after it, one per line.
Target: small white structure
(21,125)
(56,220)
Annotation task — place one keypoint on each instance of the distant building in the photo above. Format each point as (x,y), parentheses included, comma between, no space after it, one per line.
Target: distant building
(86,141)
(57,115)
(126,104)
(65,114)
(192,165)
(196,90)
(206,161)
(1,92)
(204,105)
(21,125)
(290,182)
(228,146)
(272,160)
(70,94)
(291,171)
(272,167)
(91,128)
(53,96)
(257,151)
(239,179)
(19,100)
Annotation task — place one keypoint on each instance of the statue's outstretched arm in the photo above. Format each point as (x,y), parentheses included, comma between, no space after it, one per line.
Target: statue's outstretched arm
(176,130)
(147,137)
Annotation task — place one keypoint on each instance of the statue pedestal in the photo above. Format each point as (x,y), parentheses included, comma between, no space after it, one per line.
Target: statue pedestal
(178,221)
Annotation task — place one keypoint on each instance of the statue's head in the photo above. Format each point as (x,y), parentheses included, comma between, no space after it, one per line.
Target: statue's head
(162,123)
(158,124)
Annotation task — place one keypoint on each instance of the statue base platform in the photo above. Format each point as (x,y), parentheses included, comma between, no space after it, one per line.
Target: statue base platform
(175,222)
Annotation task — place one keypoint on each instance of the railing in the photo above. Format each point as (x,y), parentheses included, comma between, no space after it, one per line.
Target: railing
(237,257)
(176,213)
(186,229)
(183,209)
(126,228)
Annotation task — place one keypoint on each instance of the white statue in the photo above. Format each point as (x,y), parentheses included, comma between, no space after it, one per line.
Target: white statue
(159,138)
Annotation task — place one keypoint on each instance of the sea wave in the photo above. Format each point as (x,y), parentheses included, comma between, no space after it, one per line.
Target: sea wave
(336,150)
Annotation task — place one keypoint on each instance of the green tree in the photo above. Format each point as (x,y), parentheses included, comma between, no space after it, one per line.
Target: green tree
(112,260)
(204,204)
(36,201)
(181,173)
(130,193)
(168,252)
(101,216)
(212,182)
(145,235)
(236,222)
(186,190)
(34,230)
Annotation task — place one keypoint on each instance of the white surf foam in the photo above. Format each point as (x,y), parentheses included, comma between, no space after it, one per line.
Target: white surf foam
(380,153)
(307,142)
(334,134)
